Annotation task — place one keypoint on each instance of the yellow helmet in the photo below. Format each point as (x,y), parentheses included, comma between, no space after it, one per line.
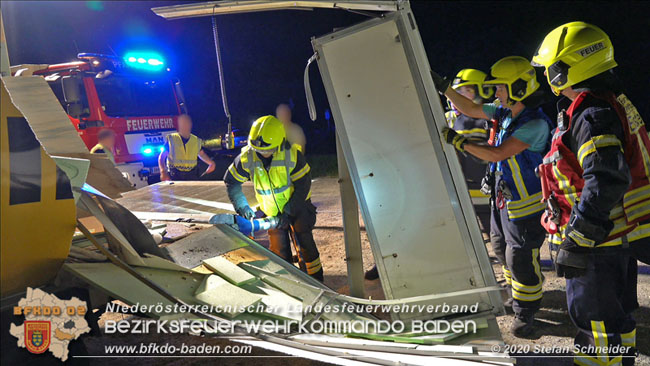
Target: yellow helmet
(574,52)
(267,134)
(517,74)
(473,77)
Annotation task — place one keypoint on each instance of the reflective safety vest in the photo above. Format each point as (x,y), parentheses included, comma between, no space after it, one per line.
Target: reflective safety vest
(273,188)
(561,174)
(106,151)
(524,192)
(181,156)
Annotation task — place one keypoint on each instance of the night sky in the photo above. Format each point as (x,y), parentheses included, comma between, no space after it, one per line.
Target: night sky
(265,54)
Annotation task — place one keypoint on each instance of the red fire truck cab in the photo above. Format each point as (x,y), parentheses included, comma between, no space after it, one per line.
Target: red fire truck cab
(135,96)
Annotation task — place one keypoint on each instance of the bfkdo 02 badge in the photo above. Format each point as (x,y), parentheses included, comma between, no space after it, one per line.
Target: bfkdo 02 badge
(37,335)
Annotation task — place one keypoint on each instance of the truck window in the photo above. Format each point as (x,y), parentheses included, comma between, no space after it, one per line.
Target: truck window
(123,96)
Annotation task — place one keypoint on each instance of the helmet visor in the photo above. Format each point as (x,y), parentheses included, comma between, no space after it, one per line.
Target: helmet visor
(260,145)
(457,82)
(536,64)
(558,74)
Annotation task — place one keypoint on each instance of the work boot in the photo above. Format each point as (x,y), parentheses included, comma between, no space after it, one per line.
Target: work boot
(523,326)
(372,274)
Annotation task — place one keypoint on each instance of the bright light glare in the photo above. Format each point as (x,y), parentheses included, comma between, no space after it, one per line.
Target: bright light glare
(150,150)
(145,60)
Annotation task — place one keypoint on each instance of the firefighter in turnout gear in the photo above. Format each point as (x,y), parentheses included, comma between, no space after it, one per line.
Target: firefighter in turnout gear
(523,138)
(179,159)
(105,144)
(596,180)
(469,83)
(282,182)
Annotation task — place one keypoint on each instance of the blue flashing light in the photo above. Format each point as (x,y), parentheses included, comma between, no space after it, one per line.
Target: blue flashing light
(149,61)
(151,150)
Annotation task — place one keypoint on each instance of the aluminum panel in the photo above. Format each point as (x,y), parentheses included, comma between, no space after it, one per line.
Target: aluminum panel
(422,239)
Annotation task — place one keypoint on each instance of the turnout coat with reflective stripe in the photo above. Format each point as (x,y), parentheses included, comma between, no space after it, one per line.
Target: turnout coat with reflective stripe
(475,129)
(273,187)
(564,178)
(518,171)
(181,156)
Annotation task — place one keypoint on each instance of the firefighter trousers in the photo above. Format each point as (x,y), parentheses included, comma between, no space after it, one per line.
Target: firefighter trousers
(640,242)
(303,224)
(600,304)
(516,245)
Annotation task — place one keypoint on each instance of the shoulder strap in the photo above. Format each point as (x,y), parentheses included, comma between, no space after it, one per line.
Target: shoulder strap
(575,104)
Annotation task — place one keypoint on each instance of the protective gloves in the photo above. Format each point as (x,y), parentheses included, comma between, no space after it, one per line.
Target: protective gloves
(246,212)
(284,221)
(454,138)
(440,82)
(571,260)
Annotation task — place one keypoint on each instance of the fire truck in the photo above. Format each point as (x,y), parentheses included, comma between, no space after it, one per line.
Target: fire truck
(135,96)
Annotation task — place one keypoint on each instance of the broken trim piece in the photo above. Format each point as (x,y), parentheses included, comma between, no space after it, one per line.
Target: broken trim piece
(467,352)
(234,7)
(131,256)
(356,300)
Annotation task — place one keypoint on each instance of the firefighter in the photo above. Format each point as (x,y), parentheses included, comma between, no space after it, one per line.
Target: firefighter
(597,188)
(469,83)
(105,143)
(179,158)
(519,148)
(282,181)
(295,134)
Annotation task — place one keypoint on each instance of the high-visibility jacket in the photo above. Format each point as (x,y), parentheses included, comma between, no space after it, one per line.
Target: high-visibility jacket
(524,189)
(273,187)
(563,179)
(181,156)
(108,152)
